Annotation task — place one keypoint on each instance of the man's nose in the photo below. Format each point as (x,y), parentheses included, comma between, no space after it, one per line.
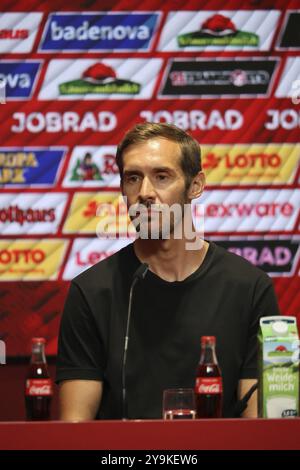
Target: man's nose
(146,190)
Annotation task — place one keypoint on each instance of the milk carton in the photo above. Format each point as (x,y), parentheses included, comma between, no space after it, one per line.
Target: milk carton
(278,367)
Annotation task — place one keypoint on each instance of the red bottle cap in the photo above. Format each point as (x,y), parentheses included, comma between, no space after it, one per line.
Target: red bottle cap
(38,340)
(208,340)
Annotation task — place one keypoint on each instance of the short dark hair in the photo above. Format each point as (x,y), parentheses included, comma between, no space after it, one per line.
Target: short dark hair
(190,161)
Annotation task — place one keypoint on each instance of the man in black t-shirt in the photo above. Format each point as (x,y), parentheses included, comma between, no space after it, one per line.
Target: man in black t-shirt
(191,290)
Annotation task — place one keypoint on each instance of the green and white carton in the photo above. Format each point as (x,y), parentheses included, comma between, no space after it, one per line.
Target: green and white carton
(278,395)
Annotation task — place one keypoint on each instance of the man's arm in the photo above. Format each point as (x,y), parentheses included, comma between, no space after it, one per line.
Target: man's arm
(79,400)
(243,388)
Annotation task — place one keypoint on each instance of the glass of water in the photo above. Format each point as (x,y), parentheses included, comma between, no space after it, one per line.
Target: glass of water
(179,403)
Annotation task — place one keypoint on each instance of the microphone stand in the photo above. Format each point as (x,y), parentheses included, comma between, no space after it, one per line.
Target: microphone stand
(139,274)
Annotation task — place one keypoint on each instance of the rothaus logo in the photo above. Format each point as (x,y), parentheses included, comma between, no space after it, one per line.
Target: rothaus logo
(19,78)
(99,31)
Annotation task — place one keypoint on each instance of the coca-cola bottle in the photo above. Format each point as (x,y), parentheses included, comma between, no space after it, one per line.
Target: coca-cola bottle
(208,388)
(38,386)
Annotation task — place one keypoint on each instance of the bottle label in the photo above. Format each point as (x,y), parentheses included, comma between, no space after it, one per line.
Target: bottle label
(39,387)
(209,385)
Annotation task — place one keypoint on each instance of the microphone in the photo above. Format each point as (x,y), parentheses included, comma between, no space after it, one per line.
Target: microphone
(243,403)
(139,275)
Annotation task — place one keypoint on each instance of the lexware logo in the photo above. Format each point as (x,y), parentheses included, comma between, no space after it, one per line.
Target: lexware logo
(19,78)
(99,31)
(88,251)
(18,31)
(226,78)
(247,211)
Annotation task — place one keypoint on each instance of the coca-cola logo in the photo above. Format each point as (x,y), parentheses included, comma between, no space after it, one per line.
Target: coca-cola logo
(211,389)
(39,387)
(209,386)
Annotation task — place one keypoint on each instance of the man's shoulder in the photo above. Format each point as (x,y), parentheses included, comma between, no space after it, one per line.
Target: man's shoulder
(236,267)
(102,272)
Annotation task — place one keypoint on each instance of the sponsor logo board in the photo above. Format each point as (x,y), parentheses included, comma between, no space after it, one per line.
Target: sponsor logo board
(255,164)
(31,260)
(241,210)
(222,30)
(89,210)
(29,166)
(100,79)
(18,31)
(31,213)
(289,85)
(19,78)
(93,167)
(226,78)
(290,36)
(277,257)
(86,252)
(99,31)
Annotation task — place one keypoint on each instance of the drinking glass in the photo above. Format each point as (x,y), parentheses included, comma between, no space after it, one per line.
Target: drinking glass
(179,403)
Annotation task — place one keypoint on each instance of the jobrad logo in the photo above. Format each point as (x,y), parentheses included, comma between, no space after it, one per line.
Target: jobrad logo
(19,78)
(275,256)
(99,31)
(239,77)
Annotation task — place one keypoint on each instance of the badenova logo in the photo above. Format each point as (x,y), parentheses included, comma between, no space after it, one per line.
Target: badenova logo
(228,30)
(99,31)
(94,79)
(239,77)
(274,256)
(18,31)
(19,78)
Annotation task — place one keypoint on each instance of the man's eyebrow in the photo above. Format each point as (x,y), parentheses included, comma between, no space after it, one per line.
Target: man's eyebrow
(130,171)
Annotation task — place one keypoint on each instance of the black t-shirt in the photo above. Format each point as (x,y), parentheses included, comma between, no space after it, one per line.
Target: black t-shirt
(224,297)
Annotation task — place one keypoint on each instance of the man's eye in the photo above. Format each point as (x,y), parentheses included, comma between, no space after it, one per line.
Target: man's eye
(162,177)
(132,178)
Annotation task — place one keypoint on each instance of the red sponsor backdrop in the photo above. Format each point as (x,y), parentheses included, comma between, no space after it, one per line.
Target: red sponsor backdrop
(222,92)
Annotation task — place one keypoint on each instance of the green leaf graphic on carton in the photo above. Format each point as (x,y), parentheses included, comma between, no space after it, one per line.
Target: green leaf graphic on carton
(218,30)
(99,79)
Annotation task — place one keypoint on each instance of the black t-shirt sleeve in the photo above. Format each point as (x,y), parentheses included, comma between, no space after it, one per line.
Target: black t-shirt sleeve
(264,304)
(80,350)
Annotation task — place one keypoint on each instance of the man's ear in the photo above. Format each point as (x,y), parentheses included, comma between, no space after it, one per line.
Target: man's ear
(197,186)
